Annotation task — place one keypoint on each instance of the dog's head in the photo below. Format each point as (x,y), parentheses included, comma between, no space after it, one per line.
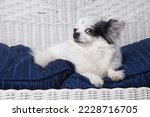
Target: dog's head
(89,30)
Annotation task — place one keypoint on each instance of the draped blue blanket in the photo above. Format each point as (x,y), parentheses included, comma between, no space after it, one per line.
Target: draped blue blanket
(18,71)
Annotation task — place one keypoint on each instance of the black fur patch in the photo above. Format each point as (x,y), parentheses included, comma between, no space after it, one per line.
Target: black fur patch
(100,29)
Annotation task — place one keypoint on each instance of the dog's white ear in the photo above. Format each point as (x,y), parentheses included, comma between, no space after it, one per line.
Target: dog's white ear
(115,27)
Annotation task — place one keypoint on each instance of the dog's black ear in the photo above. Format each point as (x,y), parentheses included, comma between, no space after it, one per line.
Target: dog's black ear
(114,27)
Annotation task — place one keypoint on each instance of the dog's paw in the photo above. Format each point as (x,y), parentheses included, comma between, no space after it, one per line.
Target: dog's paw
(116,75)
(94,79)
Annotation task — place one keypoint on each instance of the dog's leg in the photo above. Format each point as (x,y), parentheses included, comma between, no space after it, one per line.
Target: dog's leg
(94,79)
(115,75)
(115,64)
(43,58)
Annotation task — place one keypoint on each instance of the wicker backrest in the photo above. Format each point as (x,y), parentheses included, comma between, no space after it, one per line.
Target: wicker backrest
(41,23)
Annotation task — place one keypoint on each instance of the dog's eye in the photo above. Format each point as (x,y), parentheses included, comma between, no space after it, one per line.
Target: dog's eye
(89,30)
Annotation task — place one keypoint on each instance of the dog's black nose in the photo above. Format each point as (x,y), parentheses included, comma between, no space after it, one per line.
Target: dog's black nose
(76,35)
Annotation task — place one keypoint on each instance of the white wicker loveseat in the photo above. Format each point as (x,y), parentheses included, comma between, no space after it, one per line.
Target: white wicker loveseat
(41,23)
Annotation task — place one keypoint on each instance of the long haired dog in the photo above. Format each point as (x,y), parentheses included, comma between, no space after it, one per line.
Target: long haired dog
(93,50)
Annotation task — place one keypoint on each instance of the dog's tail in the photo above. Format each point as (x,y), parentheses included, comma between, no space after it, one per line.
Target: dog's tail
(42,58)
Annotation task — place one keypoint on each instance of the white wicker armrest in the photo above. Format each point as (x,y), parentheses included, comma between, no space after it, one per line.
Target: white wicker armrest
(78,94)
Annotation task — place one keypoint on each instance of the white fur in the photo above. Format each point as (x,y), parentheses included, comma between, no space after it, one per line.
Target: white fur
(93,58)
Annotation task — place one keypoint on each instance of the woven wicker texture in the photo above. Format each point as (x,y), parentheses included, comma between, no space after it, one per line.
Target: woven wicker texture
(41,23)
(77,94)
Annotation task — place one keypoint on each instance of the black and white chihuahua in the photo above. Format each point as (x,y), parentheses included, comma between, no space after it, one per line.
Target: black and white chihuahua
(93,50)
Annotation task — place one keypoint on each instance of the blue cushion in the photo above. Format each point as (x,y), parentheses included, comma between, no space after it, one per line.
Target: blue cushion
(18,71)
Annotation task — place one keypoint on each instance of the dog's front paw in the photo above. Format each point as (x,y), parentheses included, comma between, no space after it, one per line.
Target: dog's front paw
(116,75)
(94,79)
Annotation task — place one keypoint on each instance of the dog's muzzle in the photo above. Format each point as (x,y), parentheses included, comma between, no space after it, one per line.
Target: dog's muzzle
(76,35)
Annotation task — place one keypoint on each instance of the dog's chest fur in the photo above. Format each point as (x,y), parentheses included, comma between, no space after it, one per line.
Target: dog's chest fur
(96,58)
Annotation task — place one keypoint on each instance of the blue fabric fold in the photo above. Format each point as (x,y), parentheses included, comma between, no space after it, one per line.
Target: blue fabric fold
(18,71)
